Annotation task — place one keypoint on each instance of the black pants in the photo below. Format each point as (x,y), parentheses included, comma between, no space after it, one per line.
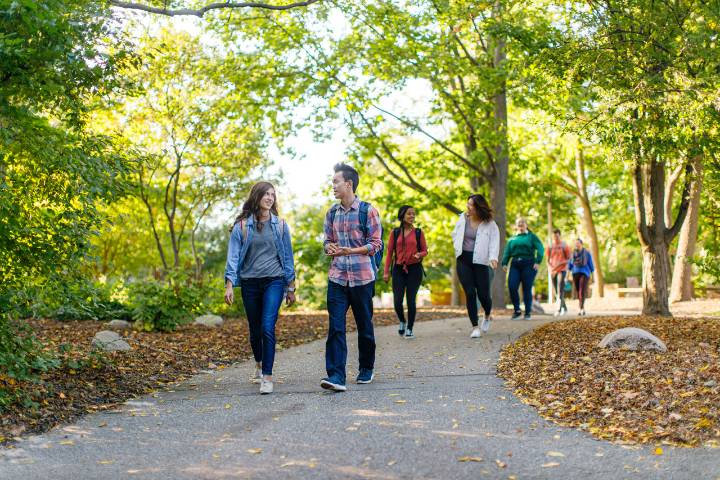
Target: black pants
(475,280)
(581,280)
(558,280)
(406,283)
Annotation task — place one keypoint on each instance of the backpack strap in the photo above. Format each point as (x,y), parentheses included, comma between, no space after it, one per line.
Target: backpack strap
(417,238)
(396,235)
(363,218)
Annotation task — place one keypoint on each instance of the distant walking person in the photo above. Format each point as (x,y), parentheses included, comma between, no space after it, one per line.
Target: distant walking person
(558,257)
(582,268)
(260,262)
(476,239)
(523,252)
(353,237)
(405,251)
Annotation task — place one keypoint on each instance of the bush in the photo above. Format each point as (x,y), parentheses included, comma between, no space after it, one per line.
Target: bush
(70,299)
(163,305)
(21,360)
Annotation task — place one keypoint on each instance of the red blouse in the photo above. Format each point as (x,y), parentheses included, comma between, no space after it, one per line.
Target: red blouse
(405,249)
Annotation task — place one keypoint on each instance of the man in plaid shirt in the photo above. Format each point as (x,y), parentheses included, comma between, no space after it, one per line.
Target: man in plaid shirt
(351,279)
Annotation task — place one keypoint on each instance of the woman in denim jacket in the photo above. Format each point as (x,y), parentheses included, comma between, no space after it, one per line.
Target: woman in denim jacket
(260,262)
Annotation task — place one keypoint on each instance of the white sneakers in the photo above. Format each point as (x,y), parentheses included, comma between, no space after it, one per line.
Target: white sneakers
(266,386)
(485,326)
(475,333)
(257,376)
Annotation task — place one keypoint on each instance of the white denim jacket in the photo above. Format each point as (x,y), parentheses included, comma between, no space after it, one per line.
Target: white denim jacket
(487,241)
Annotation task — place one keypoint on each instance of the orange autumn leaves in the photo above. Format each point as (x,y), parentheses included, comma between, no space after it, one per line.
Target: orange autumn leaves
(671,397)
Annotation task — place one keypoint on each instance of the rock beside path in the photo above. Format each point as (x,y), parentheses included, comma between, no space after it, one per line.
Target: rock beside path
(632,338)
(119,324)
(209,320)
(109,341)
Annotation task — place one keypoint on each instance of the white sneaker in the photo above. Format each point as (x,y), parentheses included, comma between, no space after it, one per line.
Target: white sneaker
(257,376)
(475,333)
(486,323)
(558,313)
(266,386)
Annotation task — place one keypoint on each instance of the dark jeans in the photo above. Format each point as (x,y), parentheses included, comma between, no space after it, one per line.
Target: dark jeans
(475,280)
(558,280)
(406,282)
(581,280)
(339,299)
(521,271)
(262,298)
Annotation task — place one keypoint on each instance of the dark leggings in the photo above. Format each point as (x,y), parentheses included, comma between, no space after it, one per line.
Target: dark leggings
(406,283)
(558,280)
(475,280)
(580,280)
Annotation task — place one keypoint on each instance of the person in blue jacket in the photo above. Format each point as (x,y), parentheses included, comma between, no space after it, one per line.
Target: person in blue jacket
(260,262)
(581,266)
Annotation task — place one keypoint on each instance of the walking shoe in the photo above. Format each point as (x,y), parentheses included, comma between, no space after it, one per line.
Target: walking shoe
(563,311)
(486,323)
(409,334)
(266,386)
(475,333)
(582,312)
(327,384)
(366,375)
(257,376)
(516,315)
(401,329)
(527,316)
(558,313)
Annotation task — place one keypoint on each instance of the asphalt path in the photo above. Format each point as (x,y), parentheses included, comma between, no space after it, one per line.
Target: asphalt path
(435,410)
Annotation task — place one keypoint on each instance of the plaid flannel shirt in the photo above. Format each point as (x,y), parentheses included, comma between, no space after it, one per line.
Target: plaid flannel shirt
(346,231)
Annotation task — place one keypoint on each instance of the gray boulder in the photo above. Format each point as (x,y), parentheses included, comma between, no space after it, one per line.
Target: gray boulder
(119,324)
(209,320)
(109,341)
(632,339)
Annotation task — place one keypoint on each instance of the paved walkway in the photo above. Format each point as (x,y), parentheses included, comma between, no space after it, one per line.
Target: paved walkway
(436,402)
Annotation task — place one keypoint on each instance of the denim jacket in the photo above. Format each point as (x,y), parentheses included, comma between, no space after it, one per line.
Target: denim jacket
(238,247)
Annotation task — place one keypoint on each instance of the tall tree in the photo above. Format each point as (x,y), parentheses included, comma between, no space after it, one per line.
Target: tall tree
(650,63)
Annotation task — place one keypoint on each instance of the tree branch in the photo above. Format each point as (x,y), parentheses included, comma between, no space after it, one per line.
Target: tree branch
(640,215)
(202,11)
(690,179)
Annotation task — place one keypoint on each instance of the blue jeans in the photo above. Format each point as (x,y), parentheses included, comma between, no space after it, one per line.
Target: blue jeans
(339,299)
(521,271)
(262,298)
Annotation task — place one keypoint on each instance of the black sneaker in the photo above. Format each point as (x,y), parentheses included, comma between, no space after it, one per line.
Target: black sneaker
(401,329)
(365,376)
(328,384)
(527,316)
(516,315)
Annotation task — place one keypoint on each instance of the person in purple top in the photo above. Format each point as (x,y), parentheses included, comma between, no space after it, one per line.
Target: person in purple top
(581,266)
(353,237)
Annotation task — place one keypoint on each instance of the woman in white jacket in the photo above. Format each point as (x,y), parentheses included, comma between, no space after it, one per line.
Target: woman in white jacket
(476,239)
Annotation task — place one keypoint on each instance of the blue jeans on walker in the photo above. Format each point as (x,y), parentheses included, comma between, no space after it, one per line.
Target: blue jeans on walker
(262,298)
(521,271)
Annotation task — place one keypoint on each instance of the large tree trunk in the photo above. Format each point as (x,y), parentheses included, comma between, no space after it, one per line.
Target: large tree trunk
(499,177)
(682,288)
(655,237)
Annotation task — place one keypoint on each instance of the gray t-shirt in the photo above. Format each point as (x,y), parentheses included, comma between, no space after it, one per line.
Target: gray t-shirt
(261,259)
(469,236)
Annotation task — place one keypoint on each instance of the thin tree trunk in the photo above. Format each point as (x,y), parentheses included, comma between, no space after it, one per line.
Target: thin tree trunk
(589,221)
(682,288)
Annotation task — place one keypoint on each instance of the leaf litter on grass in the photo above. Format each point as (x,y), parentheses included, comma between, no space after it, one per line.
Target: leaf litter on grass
(629,396)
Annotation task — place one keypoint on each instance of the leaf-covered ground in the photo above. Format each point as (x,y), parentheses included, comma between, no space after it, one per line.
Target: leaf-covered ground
(671,397)
(88,382)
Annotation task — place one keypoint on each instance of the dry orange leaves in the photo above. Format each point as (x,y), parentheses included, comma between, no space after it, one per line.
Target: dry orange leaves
(634,397)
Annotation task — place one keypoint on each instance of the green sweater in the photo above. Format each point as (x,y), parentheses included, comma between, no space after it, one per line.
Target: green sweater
(525,245)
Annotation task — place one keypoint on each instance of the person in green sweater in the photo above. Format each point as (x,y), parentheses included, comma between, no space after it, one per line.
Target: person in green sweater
(523,253)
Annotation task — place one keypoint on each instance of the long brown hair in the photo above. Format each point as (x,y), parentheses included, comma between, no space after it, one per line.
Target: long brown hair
(482,207)
(251,206)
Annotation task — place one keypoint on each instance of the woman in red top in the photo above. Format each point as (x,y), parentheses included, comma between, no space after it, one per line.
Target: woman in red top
(405,251)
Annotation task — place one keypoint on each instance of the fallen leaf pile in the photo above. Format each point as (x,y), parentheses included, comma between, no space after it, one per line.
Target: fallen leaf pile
(156,359)
(622,395)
